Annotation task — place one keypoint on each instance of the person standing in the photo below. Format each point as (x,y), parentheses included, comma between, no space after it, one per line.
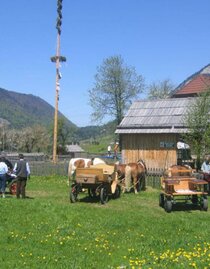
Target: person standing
(116,147)
(22,171)
(109,150)
(3,172)
(205,168)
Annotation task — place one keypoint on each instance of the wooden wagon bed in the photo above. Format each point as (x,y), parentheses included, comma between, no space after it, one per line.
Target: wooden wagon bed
(97,179)
(94,174)
(182,185)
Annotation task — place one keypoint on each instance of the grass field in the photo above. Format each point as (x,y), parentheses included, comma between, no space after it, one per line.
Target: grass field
(46,231)
(100,147)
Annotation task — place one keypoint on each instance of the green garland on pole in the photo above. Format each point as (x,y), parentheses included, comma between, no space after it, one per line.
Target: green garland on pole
(59,18)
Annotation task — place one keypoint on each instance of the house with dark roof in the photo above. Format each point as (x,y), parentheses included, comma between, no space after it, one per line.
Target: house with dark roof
(151,129)
(75,151)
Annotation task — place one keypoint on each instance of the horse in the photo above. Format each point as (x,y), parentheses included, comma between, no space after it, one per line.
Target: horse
(176,170)
(132,172)
(179,170)
(75,163)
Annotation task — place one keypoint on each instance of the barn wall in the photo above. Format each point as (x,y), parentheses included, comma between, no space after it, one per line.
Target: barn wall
(157,150)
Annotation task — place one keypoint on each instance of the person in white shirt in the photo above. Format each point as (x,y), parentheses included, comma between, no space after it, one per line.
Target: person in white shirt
(109,150)
(3,171)
(206,165)
(205,168)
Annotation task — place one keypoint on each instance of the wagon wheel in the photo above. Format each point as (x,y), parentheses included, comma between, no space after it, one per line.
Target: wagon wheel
(13,188)
(117,192)
(92,192)
(204,203)
(104,195)
(73,194)
(141,185)
(168,205)
(195,199)
(161,200)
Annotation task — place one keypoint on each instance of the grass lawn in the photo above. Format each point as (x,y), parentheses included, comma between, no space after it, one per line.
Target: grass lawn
(47,231)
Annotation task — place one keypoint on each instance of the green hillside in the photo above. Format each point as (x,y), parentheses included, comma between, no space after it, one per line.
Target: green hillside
(23,110)
(26,110)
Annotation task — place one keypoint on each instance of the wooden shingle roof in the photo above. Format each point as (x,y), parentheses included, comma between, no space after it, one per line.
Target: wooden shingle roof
(156,116)
(74,148)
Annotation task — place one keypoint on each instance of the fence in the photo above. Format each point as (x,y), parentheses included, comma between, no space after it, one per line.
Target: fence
(61,169)
(47,168)
(153,177)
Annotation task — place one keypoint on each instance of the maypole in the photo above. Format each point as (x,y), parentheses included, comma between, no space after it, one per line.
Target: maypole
(57,59)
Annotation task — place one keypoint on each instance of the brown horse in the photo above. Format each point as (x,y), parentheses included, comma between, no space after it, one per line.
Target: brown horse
(132,172)
(176,170)
(179,170)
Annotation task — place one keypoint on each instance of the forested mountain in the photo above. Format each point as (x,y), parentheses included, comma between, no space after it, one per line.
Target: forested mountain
(24,110)
(18,111)
(94,132)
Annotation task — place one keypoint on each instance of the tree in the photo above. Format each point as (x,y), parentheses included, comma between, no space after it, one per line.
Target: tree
(33,139)
(116,85)
(160,90)
(29,139)
(198,123)
(65,135)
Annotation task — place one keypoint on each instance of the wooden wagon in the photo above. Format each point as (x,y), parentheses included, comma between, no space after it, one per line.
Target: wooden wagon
(99,180)
(182,185)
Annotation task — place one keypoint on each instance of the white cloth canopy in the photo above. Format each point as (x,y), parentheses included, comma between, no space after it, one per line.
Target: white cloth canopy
(182,145)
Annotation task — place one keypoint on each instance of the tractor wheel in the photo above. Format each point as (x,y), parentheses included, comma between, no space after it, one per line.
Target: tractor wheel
(161,200)
(168,205)
(104,195)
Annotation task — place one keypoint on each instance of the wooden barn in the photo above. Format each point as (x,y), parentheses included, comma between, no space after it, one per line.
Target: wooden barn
(151,130)
(75,151)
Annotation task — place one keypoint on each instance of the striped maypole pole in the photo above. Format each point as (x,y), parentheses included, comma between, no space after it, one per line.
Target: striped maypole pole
(57,59)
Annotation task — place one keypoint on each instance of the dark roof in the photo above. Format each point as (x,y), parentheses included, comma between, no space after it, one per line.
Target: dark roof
(156,116)
(195,84)
(74,148)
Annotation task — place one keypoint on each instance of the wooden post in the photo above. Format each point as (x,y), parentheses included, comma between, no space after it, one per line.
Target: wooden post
(57,88)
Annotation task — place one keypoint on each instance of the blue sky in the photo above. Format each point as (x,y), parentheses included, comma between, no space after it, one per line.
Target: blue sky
(161,38)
